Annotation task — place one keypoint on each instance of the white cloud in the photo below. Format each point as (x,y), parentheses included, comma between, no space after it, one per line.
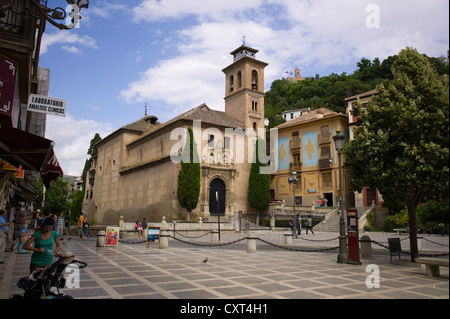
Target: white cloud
(153,10)
(72,138)
(65,37)
(312,35)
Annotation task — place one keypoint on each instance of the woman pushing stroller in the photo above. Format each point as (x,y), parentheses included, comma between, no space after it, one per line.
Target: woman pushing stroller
(44,242)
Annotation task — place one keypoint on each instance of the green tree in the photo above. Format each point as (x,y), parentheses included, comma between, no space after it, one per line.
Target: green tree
(56,197)
(402,140)
(188,190)
(77,204)
(258,184)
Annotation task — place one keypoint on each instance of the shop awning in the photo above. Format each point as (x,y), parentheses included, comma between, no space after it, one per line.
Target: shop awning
(31,151)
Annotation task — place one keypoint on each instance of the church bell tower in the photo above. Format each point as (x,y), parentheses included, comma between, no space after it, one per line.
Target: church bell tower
(244,87)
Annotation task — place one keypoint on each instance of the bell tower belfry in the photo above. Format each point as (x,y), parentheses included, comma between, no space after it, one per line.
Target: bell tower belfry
(244,87)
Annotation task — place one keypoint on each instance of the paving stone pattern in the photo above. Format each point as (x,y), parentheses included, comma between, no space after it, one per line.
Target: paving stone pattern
(134,271)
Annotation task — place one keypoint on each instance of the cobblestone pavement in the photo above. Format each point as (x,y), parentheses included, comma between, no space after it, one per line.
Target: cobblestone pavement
(134,271)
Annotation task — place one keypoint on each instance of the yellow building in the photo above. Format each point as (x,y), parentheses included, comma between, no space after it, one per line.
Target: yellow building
(305,146)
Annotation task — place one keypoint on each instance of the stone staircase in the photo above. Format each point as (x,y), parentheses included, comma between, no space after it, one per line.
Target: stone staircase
(330,223)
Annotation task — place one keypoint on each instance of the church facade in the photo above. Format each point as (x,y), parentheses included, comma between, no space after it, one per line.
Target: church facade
(135,171)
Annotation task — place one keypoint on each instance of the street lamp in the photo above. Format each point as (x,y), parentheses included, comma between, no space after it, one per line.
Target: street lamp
(79,3)
(294,181)
(339,141)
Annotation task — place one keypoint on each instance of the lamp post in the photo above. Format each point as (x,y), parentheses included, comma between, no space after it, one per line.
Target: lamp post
(42,11)
(294,181)
(339,141)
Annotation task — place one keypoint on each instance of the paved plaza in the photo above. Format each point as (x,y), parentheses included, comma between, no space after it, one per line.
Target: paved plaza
(132,271)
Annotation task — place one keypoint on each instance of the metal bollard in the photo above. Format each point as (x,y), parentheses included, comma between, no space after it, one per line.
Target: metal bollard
(101,238)
(366,246)
(164,240)
(251,244)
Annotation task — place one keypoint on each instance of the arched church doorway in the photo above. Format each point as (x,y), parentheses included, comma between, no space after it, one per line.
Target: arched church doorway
(217,185)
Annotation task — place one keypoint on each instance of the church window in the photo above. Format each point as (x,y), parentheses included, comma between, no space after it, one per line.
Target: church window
(254,80)
(231,83)
(239,79)
(254,126)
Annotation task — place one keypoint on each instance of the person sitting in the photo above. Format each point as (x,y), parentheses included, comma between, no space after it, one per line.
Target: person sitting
(140,230)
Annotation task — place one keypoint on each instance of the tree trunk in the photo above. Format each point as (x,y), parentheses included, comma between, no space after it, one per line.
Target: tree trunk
(411,205)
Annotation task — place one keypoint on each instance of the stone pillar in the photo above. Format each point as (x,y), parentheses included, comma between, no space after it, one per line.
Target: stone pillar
(164,240)
(366,247)
(101,235)
(251,244)
(272,223)
(215,236)
(288,239)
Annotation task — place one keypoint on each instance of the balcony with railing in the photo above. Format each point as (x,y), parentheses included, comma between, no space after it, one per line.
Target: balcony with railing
(324,138)
(295,167)
(325,163)
(295,143)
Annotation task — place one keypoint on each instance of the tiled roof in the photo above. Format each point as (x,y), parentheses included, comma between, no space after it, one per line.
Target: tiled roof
(142,124)
(206,115)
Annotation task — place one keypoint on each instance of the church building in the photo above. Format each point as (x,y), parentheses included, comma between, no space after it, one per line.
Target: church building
(134,174)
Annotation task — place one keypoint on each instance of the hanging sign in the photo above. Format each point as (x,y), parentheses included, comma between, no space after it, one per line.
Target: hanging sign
(46,104)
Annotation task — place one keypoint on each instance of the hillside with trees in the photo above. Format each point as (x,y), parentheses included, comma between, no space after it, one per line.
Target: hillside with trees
(330,91)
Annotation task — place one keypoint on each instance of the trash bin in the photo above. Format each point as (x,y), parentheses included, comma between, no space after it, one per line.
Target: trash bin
(101,238)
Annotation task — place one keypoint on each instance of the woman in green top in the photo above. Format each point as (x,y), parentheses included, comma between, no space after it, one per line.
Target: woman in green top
(44,242)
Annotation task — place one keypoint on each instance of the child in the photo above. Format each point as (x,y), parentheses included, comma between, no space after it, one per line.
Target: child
(139,228)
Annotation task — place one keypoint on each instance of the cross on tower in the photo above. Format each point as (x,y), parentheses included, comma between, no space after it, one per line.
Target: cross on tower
(243,39)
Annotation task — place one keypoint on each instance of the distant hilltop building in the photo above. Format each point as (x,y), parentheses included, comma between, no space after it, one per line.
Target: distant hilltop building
(292,114)
(297,77)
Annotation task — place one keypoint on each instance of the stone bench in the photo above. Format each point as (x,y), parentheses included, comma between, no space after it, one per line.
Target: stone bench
(433,265)
(400,230)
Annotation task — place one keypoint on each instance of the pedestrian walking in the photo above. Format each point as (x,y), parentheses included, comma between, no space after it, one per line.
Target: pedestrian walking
(80,225)
(66,227)
(299,225)
(292,224)
(60,225)
(309,225)
(85,227)
(4,226)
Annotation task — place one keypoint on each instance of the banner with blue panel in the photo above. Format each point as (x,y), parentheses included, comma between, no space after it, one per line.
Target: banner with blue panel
(283,153)
(310,149)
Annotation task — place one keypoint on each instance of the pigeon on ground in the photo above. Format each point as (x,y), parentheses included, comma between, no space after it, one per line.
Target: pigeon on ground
(205,261)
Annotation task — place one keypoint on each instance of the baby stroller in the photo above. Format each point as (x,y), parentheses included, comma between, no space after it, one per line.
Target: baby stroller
(39,284)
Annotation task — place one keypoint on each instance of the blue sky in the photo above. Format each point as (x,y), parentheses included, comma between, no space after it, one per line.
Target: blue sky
(170,53)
